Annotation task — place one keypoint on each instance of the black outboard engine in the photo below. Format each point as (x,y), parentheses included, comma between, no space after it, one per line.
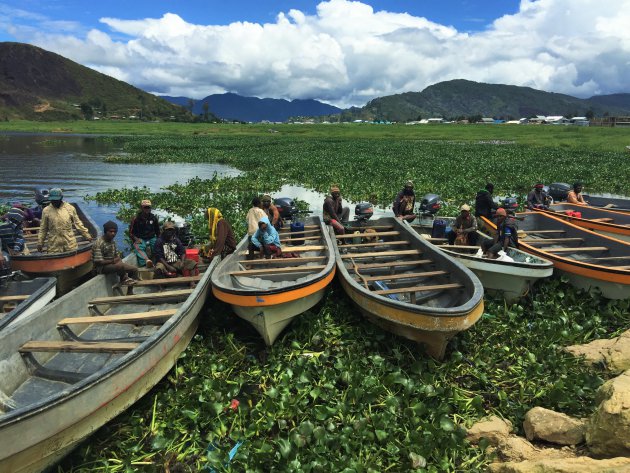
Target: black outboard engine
(184,234)
(559,190)
(286,207)
(42,196)
(510,204)
(363,211)
(430,205)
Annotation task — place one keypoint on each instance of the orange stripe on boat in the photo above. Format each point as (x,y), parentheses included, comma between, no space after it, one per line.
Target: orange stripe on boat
(32,264)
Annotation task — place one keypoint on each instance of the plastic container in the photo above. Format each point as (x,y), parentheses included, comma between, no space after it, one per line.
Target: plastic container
(191,254)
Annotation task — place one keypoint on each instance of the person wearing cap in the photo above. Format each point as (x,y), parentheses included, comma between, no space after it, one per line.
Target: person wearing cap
(484,203)
(538,198)
(170,254)
(143,231)
(464,228)
(221,239)
(405,202)
(272,212)
(506,234)
(575,196)
(106,257)
(334,212)
(56,227)
(11,236)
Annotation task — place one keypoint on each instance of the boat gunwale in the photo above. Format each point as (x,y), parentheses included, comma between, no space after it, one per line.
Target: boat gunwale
(617,228)
(46,286)
(542,266)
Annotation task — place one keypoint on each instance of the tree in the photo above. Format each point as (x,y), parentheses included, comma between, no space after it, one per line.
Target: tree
(87,110)
(205,111)
(191,104)
(590,114)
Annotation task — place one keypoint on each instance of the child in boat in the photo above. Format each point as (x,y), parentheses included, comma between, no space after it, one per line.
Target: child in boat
(106,257)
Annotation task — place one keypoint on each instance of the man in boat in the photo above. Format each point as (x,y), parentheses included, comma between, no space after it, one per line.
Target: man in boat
(335,213)
(484,203)
(254,214)
(575,196)
(170,254)
(11,236)
(56,227)
(507,231)
(491,250)
(222,240)
(266,240)
(143,231)
(538,198)
(463,228)
(106,257)
(271,211)
(405,203)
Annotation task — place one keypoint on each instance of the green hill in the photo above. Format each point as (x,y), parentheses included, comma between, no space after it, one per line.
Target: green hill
(462,98)
(39,85)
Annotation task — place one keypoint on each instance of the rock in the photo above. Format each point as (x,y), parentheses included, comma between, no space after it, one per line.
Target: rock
(492,428)
(554,427)
(613,353)
(565,465)
(608,429)
(516,449)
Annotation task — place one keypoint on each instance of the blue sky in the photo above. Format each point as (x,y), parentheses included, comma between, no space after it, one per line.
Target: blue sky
(342,52)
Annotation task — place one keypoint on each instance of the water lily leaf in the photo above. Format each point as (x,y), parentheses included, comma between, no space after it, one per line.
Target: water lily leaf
(446,424)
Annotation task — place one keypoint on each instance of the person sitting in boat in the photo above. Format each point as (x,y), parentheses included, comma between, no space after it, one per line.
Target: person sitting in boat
(11,237)
(266,240)
(538,198)
(170,254)
(334,212)
(107,258)
(56,227)
(144,231)
(222,240)
(271,211)
(405,203)
(485,204)
(506,234)
(254,214)
(464,228)
(492,250)
(575,196)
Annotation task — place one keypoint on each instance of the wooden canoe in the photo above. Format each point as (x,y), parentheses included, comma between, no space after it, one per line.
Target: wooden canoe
(605,221)
(407,286)
(269,293)
(512,280)
(19,299)
(67,267)
(85,358)
(588,259)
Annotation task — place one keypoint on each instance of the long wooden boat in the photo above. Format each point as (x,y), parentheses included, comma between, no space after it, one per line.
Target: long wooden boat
(21,298)
(87,357)
(605,221)
(407,286)
(269,293)
(67,267)
(613,203)
(588,259)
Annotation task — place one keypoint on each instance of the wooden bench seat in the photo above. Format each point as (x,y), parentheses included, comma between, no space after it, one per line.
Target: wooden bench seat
(278,261)
(602,220)
(164,281)
(367,235)
(156,297)
(77,347)
(272,271)
(392,277)
(136,317)
(376,254)
(376,243)
(14,298)
(576,249)
(418,289)
(295,249)
(551,241)
(392,264)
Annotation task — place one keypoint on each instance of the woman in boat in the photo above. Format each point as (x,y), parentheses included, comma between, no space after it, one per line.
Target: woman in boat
(405,202)
(144,231)
(575,196)
(222,240)
(266,240)
(107,259)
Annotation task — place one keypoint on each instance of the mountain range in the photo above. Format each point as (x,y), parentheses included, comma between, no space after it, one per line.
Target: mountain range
(36,84)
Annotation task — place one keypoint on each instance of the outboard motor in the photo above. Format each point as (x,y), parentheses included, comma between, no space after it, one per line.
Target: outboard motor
(510,204)
(42,197)
(184,234)
(286,207)
(559,190)
(430,205)
(363,211)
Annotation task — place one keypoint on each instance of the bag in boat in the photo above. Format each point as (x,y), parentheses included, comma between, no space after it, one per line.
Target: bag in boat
(461,239)
(297,231)
(439,228)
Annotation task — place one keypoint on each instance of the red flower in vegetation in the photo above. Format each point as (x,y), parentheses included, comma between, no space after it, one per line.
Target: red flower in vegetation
(234,404)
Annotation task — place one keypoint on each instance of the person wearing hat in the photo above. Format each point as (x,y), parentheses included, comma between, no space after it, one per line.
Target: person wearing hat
(507,232)
(143,231)
(405,202)
(56,227)
(106,257)
(11,236)
(464,228)
(575,196)
(272,212)
(538,198)
(170,254)
(334,212)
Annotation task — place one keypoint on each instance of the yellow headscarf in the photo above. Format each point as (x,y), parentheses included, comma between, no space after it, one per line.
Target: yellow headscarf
(214,215)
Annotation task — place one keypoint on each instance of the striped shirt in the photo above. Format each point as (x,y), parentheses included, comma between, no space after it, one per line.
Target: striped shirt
(12,236)
(103,250)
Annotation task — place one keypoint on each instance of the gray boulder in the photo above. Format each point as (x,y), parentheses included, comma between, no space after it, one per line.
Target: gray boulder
(554,427)
(564,465)
(613,353)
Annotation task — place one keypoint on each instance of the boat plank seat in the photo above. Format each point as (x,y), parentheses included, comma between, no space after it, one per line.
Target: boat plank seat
(369,235)
(271,271)
(304,259)
(541,231)
(14,298)
(297,249)
(77,347)
(607,258)
(392,264)
(577,249)
(376,254)
(305,232)
(144,317)
(156,297)
(308,238)
(402,276)
(551,240)
(459,247)
(602,220)
(306,227)
(434,287)
(376,243)
(164,281)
